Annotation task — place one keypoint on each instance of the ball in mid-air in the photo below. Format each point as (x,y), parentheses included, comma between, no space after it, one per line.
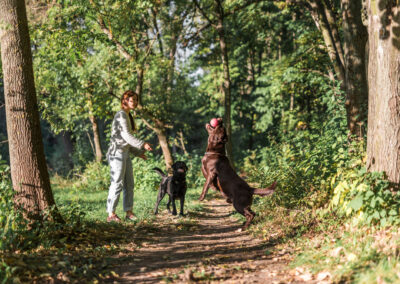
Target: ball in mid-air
(214,122)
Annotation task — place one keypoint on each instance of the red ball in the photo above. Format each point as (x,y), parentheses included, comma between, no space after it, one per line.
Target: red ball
(214,122)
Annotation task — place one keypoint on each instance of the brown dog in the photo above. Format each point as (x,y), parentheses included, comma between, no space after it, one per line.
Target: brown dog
(220,175)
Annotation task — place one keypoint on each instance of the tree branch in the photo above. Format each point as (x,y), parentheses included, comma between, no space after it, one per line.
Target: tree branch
(109,34)
(157,31)
(241,7)
(111,37)
(203,13)
(186,42)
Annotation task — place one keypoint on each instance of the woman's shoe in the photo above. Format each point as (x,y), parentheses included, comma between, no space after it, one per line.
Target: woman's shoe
(130,218)
(113,218)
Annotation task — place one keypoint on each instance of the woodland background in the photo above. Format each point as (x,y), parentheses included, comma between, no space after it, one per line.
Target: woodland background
(306,90)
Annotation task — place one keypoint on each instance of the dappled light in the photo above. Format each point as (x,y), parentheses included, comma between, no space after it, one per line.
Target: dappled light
(205,141)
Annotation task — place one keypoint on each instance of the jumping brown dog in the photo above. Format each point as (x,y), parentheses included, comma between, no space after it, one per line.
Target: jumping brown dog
(220,175)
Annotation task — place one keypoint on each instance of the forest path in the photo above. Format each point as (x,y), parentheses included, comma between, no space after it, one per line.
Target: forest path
(208,248)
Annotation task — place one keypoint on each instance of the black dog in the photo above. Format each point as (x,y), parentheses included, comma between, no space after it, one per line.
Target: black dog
(174,185)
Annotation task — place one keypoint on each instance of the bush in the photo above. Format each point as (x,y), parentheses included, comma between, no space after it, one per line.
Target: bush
(367,196)
(95,177)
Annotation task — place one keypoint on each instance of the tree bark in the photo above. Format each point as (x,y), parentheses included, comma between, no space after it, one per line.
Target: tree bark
(96,138)
(95,129)
(29,174)
(158,127)
(227,79)
(348,63)
(68,148)
(383,141)
(355,40)
(318,12)
(162,138)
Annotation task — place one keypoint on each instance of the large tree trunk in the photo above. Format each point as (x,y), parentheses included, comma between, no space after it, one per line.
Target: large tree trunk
(28,165)
(383,141)
(355,40)
(227,79)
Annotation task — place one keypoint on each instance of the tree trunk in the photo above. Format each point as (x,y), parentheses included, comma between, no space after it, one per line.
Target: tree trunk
(159,128)
(28,165)
(355,40)
(68,148)
(96,138)
(318,12)
(227,79)
(95,128)
(383,142)
(162,138)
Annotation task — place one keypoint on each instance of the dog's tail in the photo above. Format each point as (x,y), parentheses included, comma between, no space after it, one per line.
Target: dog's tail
(266,191)
(160,172)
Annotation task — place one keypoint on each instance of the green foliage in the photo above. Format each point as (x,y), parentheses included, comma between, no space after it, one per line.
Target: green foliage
(368,196)
(95,177)
(11,223)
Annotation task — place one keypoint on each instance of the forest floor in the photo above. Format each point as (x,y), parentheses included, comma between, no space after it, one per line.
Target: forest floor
(207,248)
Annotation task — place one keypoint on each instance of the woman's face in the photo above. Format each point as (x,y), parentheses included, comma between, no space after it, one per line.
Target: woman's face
(132,102)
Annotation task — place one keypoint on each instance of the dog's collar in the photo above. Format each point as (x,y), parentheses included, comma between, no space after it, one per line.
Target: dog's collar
(214,153)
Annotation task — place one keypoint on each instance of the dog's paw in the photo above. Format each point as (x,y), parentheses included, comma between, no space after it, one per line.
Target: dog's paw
(239,230)
(201,198)
(174,213)
(181,214)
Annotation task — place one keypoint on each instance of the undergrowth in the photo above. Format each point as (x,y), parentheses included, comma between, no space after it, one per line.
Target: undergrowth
(338,217)
(81,249)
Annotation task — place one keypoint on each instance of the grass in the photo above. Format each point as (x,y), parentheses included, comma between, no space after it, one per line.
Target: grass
(83,249)
(356,254)
(348,252)
(93,202)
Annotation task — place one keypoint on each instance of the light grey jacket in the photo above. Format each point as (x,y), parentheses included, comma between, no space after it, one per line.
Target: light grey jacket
(122,138)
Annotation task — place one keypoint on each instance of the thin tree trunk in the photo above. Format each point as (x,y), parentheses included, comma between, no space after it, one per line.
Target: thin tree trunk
(317,10)
(96,138)
(68,147)
(139,83)
(332,20)
(95,129)
(355,40)
(227,80)
(158,127)
(29,174)
(162,138)
(182,142)
(383,142)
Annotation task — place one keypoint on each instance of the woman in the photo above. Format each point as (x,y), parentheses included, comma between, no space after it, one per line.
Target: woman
(121,144)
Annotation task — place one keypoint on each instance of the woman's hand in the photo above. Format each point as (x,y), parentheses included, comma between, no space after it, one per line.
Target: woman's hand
(147,146)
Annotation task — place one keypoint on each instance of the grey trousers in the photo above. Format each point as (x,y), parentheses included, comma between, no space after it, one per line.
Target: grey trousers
(121,180)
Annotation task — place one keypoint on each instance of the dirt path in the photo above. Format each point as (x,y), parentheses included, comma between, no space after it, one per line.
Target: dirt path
(208,250)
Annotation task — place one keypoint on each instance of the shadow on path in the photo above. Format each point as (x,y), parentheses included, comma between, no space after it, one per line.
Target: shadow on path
(211,250)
